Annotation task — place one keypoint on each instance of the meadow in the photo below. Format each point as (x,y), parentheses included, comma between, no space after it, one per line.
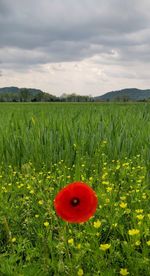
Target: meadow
(44,147)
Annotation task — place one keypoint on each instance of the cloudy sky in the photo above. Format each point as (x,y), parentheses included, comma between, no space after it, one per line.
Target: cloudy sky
(75,46)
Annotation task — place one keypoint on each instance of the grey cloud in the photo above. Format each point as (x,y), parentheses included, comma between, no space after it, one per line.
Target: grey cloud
(4,8)
(38,32)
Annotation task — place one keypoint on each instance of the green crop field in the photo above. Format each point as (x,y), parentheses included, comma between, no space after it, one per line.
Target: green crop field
(44,147)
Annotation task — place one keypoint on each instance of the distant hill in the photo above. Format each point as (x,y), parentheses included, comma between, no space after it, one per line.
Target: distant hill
(128,94)
(13,89)
(15,94)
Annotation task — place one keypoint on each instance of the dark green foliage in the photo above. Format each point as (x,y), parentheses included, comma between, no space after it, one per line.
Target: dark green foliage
(15,94)
(125,95)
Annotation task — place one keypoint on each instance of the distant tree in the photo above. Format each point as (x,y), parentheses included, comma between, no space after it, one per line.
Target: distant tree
(75,98)
(125,98)
(24,94)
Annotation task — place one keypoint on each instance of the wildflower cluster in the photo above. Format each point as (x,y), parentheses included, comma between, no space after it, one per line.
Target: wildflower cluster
(36,239)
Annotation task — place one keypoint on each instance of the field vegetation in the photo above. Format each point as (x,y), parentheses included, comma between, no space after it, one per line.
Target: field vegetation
(45,146)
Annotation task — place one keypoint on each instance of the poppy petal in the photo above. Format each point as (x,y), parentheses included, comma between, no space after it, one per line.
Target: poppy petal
(76,202)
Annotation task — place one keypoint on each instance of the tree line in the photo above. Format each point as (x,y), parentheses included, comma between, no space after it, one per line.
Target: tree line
(34,95)
(25,95)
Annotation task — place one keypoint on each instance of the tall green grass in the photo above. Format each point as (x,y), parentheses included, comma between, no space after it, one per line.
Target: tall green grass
(47,133)
(45,146)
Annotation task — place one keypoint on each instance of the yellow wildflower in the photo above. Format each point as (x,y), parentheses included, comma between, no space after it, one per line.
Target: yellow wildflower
(105,246)
(104,176)
(13,239)
(36,216)
(123,197)
(26,197)
(123,205)
(139,211)
(114,224)
(97,224)
(148,243)
(71,241)
(40,202)
(107,200)
(46,223)
(80,272)
(137,243)
(133,232)
(140,217)
(124,271)
(109,189)
(78,246)
(105,182)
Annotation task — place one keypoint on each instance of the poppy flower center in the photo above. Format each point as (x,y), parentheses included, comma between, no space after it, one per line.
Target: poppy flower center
(75,201)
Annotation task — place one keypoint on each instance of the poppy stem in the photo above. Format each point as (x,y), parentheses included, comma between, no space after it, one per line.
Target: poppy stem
(7,230)
(66,231)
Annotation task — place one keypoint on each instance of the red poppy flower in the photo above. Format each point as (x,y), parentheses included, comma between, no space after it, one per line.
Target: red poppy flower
(76,202)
